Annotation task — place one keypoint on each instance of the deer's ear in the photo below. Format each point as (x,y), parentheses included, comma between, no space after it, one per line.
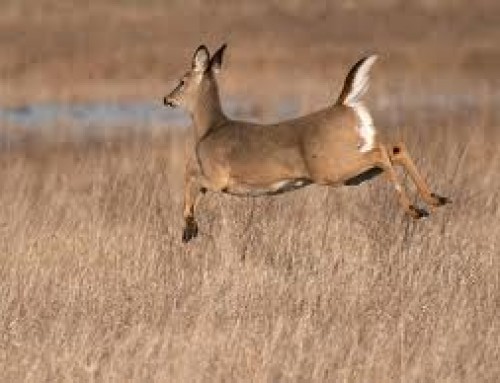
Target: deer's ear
(201,59)
(216,61)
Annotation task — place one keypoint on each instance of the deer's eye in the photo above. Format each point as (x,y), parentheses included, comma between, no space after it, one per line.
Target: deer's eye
(182,83)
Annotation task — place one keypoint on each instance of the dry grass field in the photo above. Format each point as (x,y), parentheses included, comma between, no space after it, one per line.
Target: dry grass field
(317,285)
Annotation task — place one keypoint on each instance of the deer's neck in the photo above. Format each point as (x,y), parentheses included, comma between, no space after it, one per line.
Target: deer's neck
(208,111)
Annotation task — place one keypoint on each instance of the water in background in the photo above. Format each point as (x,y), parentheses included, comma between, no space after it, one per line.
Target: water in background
(91,119)
(105,114)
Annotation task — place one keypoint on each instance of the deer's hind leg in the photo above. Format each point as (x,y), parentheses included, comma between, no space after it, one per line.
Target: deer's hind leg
(399,155)
(380,157)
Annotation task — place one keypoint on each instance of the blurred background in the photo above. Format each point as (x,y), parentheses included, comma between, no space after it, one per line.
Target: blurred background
(322,284)
(95,65)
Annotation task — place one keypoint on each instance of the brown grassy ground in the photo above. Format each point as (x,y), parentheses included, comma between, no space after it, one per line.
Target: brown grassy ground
(316,285)
(333,285)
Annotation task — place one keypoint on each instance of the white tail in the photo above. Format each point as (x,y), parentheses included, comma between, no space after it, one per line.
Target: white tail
(356,83)
(355,86)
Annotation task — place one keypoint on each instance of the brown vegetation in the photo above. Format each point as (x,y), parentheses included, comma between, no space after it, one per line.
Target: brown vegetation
(315,285)
(80,50)
(321,284)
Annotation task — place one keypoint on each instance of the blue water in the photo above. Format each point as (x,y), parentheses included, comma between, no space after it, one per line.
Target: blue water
(93,115)
(120,114)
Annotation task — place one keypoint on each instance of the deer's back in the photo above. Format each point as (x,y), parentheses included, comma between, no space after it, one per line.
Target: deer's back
(305,147)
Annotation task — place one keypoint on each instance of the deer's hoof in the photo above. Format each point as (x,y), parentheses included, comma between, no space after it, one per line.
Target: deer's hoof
(190,230)
(439,200)
(418,213)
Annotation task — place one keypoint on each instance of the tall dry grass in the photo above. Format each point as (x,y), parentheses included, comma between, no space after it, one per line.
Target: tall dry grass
(333,285)
(317,285)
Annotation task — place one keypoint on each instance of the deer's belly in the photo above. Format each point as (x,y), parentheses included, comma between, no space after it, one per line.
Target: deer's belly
(276,187)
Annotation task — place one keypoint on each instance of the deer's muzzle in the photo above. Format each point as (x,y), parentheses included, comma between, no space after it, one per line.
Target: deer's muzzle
(167,102)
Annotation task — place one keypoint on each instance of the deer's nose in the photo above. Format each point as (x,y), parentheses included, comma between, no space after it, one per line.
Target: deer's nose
(168,102)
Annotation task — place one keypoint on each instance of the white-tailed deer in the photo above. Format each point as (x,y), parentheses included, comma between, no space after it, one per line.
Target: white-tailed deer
(334,146)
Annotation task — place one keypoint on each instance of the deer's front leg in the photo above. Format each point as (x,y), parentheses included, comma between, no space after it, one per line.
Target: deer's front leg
(192,193)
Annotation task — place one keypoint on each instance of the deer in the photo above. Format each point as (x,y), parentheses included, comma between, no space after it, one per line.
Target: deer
(337,145)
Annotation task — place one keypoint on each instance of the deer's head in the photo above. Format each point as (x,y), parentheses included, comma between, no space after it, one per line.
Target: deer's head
(197,81)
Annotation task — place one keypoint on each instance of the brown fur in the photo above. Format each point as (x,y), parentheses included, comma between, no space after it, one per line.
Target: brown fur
(244,158)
